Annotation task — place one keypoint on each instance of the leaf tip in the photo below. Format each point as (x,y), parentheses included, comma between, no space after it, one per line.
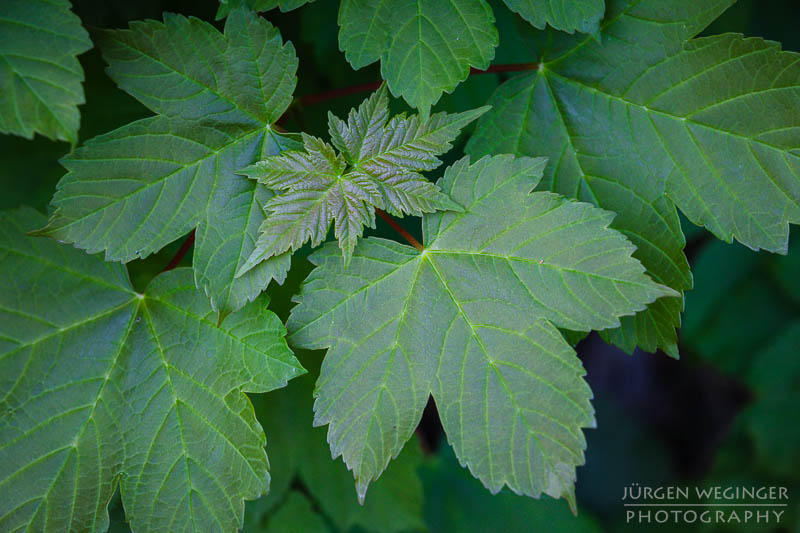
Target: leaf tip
(361,490)
(569,495)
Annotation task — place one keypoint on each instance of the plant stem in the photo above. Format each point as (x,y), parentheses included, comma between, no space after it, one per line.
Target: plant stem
(399,229)
(311,99)
(182,251)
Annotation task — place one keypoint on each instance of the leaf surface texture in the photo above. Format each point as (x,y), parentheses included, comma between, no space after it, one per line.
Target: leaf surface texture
(472,320)
(642,120)
(102,385)
(134,190)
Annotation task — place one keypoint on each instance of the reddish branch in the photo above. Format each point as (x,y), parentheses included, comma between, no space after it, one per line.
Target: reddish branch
(399,229)
(182,251)
(311,99)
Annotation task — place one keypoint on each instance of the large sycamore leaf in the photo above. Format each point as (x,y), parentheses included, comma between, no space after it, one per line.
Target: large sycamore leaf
(134,190)
(565,15)
(100,385)
(378,166)
(41,80)
(639,120)
(473,320)
(426,47)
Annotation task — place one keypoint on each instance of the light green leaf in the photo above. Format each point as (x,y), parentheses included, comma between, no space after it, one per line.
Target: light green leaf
(134,190)
(640,120)
(565,15)
(41,79)
(358,137)
(426,47)
(147,390)
(313,191)
(378,168)
(473,320)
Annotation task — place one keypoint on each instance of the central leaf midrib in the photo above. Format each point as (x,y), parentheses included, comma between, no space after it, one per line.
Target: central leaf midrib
(394,349)
(536,263)
(490,363)
(174,394)
(79,433)
(191,79)
(162,179)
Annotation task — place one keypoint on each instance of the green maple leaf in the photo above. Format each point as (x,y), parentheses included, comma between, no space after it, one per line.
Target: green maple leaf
(100,385)
(41,79)
(379,167)
(426,47)
(471,319)
(565,15)
(640,120)
(134,190)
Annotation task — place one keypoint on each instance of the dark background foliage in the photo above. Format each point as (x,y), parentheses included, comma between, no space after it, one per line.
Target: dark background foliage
(724,414)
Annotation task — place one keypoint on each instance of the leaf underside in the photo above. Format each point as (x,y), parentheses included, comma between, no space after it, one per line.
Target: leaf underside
(99,384)
(640,121)
(472,320)
(132,191)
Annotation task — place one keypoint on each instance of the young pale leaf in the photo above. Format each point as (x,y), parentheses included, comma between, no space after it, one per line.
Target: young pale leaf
(471,319)
(314,191)
(99,384)
(378,168)
(640,120)
(134,190)
(41,79)
(565,15)
(426,47)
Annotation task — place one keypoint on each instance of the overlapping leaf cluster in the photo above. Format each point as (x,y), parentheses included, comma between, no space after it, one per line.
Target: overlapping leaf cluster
(134,190)
(472,320)
(426,47)
(378,166)
(640,121)
(101,385)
